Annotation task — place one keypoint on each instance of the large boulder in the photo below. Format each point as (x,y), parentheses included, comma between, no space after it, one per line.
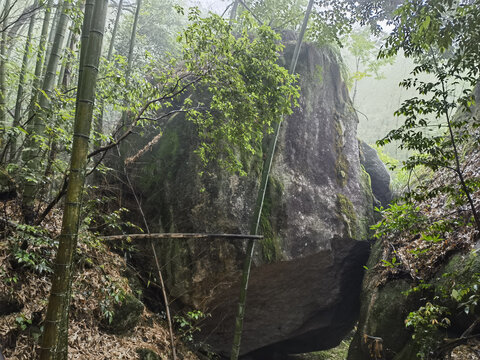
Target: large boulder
(318,196)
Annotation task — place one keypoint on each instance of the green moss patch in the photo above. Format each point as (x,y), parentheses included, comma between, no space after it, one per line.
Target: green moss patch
(271,244)
(341,164)
(347,214)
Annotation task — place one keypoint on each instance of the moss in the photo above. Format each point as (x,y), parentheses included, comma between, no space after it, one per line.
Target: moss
(347,215)
(366,222)
(271,245)
(126,316)
(252,164)
(319,73)
(147,354)
(341,164)
(167,152)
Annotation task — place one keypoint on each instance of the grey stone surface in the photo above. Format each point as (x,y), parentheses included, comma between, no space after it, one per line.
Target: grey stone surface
(318,192)
(379,175)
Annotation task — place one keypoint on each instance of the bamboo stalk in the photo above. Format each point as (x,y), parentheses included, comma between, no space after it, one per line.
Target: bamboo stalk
(3,63)
(259,207)
(53,346)
(154,236)
(21,84)
(39,121)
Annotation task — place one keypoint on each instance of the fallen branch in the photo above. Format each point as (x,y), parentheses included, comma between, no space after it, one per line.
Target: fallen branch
(180,236)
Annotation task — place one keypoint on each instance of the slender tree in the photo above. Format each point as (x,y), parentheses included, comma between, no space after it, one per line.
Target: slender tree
(233,13)
(259,205)
(132,41)
(3,61)
(115,29)
(130,54)
(51,35)
(30,158)
(39,63)
(53,344)
(99,122)
(21,84)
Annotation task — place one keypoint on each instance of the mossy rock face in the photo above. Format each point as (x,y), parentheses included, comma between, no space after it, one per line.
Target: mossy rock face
(376,169)
(317,194)
(383,310)
(382,315)
(147,354)
(385,305)
(126,316)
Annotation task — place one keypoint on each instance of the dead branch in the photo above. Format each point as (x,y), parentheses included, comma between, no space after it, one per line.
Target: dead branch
(154,236)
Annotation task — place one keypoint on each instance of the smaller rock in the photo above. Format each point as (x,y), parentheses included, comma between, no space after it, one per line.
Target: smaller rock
(147,354)
(9,305)
(378,173)
(125,317)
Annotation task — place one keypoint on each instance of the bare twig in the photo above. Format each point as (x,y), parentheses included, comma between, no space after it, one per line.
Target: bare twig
(164,292)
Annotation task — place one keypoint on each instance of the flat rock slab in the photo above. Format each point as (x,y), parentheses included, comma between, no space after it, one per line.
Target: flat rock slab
(304,305)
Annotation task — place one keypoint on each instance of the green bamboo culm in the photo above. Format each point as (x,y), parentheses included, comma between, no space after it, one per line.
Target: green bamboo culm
(132,41)
(259,205)
(39,63)
(115,29)
(86,27)
(39,121)
(233,13)
(99,122)
(130,59)
(51,35)
(59,300)
(21,84)
(3,62)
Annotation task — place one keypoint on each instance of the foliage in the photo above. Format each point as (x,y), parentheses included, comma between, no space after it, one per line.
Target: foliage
(158,25)
(188,323)
(247,90)
(23,322)
(398,217)
(113,294)
(279,14)
(425,322)
(467,295)
(400,178)
(32,247)
(437,34)
(364,47)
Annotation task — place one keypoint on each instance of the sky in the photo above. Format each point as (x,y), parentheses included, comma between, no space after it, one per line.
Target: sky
(216,6)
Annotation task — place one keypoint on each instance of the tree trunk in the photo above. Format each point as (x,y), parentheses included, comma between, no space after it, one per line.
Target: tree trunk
(233,13)
(51,36)
(39,63)
(53,344)
(114,31)
(32,157)
(99,123)
(130,57)
(259,206)
(3,61)
(132,41)
(21,85)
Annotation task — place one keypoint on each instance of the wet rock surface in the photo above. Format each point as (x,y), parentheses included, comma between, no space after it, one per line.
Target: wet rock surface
(296,306)
(378,174)
(318,194)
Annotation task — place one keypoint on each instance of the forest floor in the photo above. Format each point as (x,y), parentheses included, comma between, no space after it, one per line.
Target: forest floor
(98,286)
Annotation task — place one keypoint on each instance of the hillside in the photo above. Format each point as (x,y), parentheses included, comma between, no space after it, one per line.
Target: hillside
(101,293)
